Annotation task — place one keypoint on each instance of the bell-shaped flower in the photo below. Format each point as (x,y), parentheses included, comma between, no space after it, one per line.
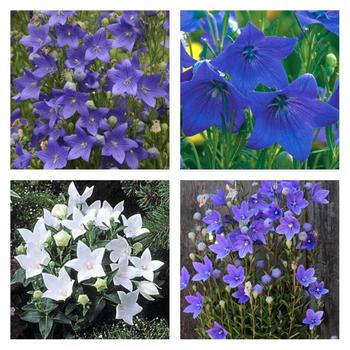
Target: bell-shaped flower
(107,215)
(88,263)
(75,198)
(146,265)
(95,206)
(119,248)
(79,222)
(147,289)
(39,235)
(133,226)
(128,306)
(58,288)
(34,260)
(124,274)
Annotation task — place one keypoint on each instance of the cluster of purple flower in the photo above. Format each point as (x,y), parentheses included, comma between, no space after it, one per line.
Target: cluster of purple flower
(91,94)
(227,242)
(286,113)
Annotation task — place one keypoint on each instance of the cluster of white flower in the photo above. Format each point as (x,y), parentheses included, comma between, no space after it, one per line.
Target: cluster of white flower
(68,223)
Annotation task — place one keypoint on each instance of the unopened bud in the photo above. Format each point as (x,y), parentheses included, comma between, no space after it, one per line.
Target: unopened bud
(37,295)
(100,284)
(83,299)
(269,300)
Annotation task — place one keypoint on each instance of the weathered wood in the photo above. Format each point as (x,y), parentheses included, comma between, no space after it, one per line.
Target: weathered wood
(325,219)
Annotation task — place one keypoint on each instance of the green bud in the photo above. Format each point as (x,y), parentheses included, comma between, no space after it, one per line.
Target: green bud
(100,284)
(62,238)
(164,127)
(21,249)
(83,299)
(51,265)
(37,295)
(204,232)
(255,294)
(68,76)
(71,127)
(228,289)
(289,244)
(112,121)
(331,60)
(191,235)
(269,300)
(222,304)
(105,21)
(90,104)
(194,287)
(59,211)
(137,248)
(192,256)
(114,53)
(229,204)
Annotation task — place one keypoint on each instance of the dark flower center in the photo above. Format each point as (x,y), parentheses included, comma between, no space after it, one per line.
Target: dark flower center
(127,81)
(280,103)
(249,52)
(218,89)
(145,89)
(128,34)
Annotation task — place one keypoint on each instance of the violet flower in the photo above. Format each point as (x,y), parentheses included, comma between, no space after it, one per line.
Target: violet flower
(38,37)
(28,86)
(214,222)
(97,46)
(196,303)
(242,214)
(289,226)
(319,195)
(184,278)
(217,332)
(204,270)
(241,295)
(317,290)
(296,202)
(305,277)
(235,276)
(81,145)
(72,102)
(313,318)
(243,244)
(222,247)
(54,156)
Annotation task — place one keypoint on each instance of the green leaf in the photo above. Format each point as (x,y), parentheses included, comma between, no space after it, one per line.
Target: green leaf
(62,318)
(31,316)
(45,326)
(95,310)
(69,309)
(19,276)
(113,298)
(47,305)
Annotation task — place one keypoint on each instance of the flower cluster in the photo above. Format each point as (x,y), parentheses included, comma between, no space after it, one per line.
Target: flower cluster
(90,91)
(249,274)
(78,258)
(243,93)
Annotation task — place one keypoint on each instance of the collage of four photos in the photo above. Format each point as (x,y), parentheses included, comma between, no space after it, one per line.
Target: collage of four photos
(90,259)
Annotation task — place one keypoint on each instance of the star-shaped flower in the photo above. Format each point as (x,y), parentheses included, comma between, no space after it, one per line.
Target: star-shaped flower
(81,145)
(58,288)
(128,306)
(38,37)
(79,222)
(88,263)
(54,156)
(145,265)
(119,248)
(124,273)
(133,226)
(39,235)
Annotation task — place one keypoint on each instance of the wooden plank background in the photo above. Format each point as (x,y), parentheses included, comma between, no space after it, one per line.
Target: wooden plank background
(325,219)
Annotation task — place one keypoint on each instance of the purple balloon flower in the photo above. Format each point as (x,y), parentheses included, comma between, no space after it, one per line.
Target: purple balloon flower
(97,46)
(117,143)
(241,295)
(271,189)
(313,318)
(92,121)
(329,19)
(149,89)
(258,288)
(257,203)
(305,277)
(90,82)
(217,332)
(255,58)
(235,276)
(45,66)
(126,34)
(38,37)
(274,212)
(296,202)
(222,247)
(124,78)
(204,270)
(257,231)
(218,199)
(54,156)
(289,226)
(28,86)
(317,290)
(288,117)
(68,34)
(81,145)
(72,102)
(196,303)
(243,244)
(76,58)
(309,243)
(276,273)
(319,195)
(242,214)
(134,156)
(184,278)
(214,222)
(266,279)
(58,17)
(23,158)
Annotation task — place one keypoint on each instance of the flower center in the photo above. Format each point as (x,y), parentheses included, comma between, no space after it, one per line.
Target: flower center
(249,52)
(218,89)
(246,243)
(84,145)
(63,292)
(127,81)
(128,34)
(290,225)
(145,90)
(280,103)
(89,266)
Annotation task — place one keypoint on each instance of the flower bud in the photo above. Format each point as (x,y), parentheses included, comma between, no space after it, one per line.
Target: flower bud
(307,227)
(59,211)
(197,216)
(37,295)
(331,60)
(269,300)
(112,121)
(276,273)
(140,126)
(268,223)
(105,21)
(285,191)
(79,75)
(198,228)
(293,266)
(192,256)
(70,85)
(285,263)
(164,127)
(51,265)
(153,153)
(191,235)
(100,284)
(21,249)
(216,273)
(229,204)
(201,246)
(260,264)
(222,304)
(90,104)
(302,236)
(238,262)
(194,287)
(204,232)
(244,229)
(228,289)
(62,238)
(137,248)
(68,77)
(83,299)
(289,244)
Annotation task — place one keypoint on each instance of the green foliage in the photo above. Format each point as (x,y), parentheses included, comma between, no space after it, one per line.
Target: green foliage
(142,329)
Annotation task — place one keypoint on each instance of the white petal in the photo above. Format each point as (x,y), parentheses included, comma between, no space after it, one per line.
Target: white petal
(83,251)
(51,281)
(26,235)
(155,265)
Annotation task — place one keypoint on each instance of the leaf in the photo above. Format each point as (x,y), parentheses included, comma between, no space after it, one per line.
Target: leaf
(31,316)
(113,298)
(19,276)
(95,310)
(69,309)
(45,326)
(62,318)
(48,305)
